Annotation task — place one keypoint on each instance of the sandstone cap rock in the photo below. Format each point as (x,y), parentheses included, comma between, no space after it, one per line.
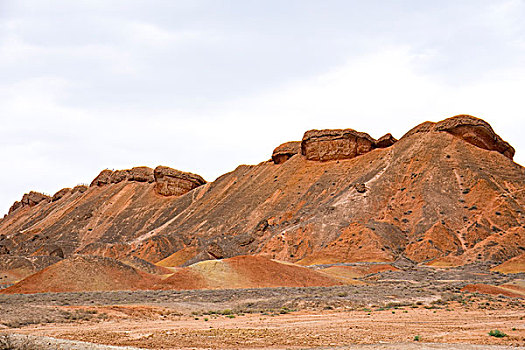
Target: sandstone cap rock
(173,182)
(332,144)
(471,129)
(61,193)
(285,151)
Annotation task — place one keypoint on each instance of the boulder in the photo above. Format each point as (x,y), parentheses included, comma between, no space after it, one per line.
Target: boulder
(360,187)
(172,182)
(332,144)
(285,151)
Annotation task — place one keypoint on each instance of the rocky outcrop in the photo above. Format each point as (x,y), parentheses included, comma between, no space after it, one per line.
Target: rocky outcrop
(79,188)
(333,144)
(33,198)
(61,193)
(30,199)
(172,182)
(138,174)
(119,176)
(102,179)
(141,174)
(16,205)
(471,129)
(286,151)
(385,141)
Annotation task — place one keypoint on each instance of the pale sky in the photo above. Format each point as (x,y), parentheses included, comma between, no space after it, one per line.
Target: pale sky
(204,86)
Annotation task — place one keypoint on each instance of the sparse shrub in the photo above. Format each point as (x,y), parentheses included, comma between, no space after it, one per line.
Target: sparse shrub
(230,316)
(206,319)
(417,338)
(497,333)
(284,310)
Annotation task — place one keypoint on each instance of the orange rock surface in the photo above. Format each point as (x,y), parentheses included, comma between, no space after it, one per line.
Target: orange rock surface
(445,193)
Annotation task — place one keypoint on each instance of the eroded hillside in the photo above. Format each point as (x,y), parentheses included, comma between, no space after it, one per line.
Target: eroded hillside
(446,193)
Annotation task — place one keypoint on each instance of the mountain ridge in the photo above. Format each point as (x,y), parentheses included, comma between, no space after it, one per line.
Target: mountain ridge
(446,193)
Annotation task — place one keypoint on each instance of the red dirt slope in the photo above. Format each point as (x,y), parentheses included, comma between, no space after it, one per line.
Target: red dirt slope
(509,290)
(84,273)
(514,265)
(245,272)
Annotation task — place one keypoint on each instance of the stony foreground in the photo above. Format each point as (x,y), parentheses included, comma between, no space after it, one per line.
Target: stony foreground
(19,341)
(398,311)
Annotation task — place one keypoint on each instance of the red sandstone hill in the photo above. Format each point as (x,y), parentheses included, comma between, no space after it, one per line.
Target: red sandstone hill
(84,273)
(94,273)
(245,272)
(446,193)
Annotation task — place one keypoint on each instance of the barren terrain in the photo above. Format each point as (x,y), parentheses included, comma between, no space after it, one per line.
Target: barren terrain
(391,307)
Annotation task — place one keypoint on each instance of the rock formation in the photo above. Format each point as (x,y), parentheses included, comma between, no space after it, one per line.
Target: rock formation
(30,199)
(385,141)
(79,188)
(61,193)
(334,144)
(445,193)
(141,174)
(473,130)
(102,179)
(137,174)
(172,182)
(285,151)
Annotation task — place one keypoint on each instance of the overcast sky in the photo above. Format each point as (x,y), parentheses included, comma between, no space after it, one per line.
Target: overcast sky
(204,86)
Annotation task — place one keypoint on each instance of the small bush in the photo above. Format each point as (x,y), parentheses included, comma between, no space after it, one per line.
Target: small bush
(497,333)
(417,338)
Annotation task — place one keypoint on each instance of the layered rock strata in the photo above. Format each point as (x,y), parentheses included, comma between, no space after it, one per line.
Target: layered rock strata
(138,174)
(286,151)
(334,144)
(172,182)
(471,129)
(30,199)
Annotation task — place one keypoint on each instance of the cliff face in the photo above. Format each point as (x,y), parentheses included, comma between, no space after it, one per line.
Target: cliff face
(445,193)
